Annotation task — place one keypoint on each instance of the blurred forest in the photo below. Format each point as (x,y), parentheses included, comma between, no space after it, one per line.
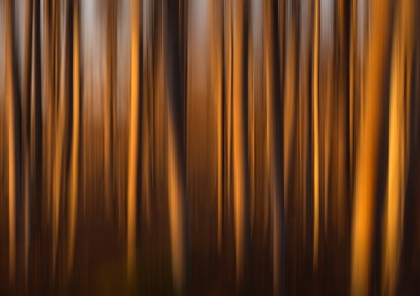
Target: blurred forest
(209,147)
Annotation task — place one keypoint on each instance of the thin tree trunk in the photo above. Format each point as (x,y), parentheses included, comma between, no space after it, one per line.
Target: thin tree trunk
(315,126)
(133,139)
(36,157)
(239,140)
(108,109)
(13,110)
(146,102)
(26,145)
(75,142)
(175,86)
(216,74)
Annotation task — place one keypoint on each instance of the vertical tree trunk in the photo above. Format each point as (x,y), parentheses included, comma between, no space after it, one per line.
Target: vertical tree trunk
(368,148)
(175,17)
(146,102)
(315,126)
(75,140)
(400,92)
(133,139)
(14,126)
(36,157)
(228,28)
(239,140)
(216,32)
(26,123)
(59,120)
(108,108)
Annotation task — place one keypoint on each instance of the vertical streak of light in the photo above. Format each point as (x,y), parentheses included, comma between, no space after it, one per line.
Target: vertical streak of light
(11,97)
(397,160)
(219,110)
(368,147)
(269,160)
(133,141)
(238,141)
(352,86)
(251,123)
(315,117)
(74,165)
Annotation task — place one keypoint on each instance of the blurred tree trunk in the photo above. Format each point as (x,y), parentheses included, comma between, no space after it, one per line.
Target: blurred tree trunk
(240,165)
(368,147)
(398,157)
(108,107)
(36,158)
(63,144)
(75,138)
(315,132)
(175,52)
(26,125)
(58,120)
(14,132)
(228,74)
(133,138)
(146,103)
(216,31)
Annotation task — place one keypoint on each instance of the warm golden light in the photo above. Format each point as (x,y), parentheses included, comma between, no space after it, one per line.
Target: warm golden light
(209,147)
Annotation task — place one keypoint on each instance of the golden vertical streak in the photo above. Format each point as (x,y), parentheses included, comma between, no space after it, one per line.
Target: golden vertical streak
(315,126)
(368,147)
(238,141)
(74,165)
(133,140)
(352,86)
(397,160)
(219,111)
(10,97)
(251,125)
(47,94)
(228,115)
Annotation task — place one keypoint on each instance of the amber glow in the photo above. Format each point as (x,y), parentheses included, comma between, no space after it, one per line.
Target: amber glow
(209,147)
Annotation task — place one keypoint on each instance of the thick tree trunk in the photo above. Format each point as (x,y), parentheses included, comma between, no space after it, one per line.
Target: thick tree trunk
(368,148)
(133,139)
(14,133)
